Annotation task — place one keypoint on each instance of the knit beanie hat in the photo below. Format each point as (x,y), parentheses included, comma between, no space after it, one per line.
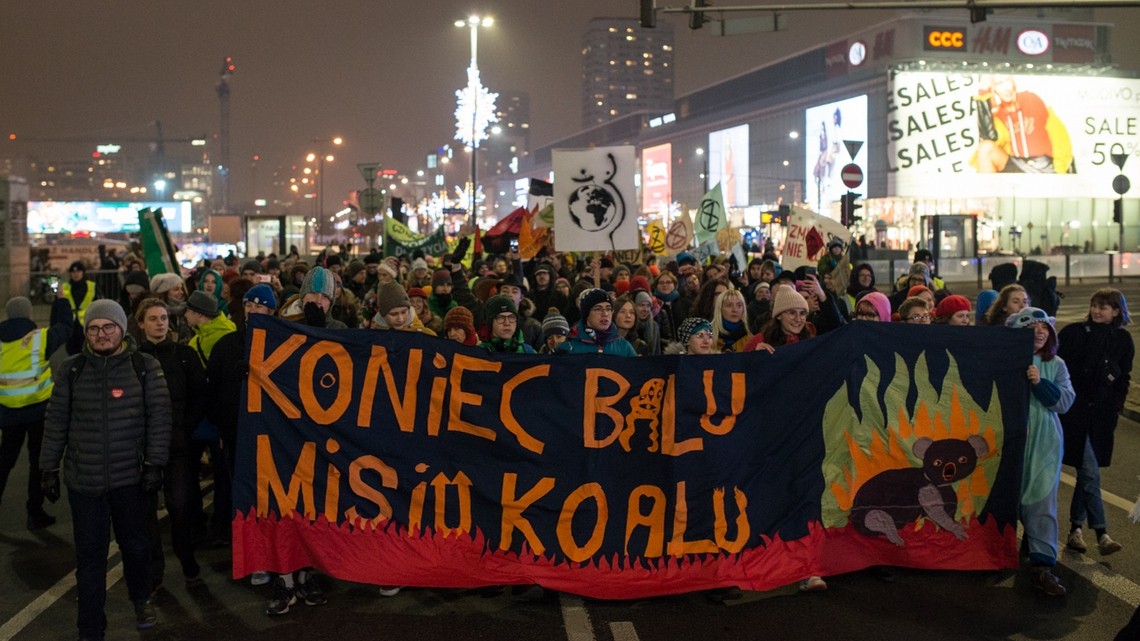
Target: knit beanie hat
(691,326)
(333,259)
(251,266)
(639,284)
(462,318)
(920,269)
(107,309)
(621,287)
(162,283)
(386,268)
(986,298)
(554,323)
(389,296)
(642,296)
(499,304)
(77,265)
(916,290)
(417,292)
(591,297)
(787,298)
(440,277)
(136,283)
(200,302)
(261,294)
(419,263)
(319,281)
(951,305)
(18,307)
(881,303)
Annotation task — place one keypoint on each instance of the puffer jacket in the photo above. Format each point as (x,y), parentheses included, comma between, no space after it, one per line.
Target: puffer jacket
(108,426)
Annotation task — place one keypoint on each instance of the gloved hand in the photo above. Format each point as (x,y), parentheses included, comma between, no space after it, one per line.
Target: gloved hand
(49,484)
(152,478)
(460,250)
(314,315)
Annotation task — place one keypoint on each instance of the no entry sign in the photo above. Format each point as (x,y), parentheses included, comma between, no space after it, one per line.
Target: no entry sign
(852,176)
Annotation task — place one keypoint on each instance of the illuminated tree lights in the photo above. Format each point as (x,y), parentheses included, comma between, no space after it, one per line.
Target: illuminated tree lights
(474,111)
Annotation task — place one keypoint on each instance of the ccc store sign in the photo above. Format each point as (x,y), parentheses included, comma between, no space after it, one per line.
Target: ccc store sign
(942,39)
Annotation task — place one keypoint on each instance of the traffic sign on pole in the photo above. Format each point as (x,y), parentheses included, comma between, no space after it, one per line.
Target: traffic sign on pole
(368,170)
(371,200)
(851,175)
(853,147)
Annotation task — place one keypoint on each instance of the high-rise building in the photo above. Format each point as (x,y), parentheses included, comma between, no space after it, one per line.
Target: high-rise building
(625,68)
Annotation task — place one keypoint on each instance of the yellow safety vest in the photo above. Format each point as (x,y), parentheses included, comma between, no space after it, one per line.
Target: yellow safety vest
(81,311)
(25,375)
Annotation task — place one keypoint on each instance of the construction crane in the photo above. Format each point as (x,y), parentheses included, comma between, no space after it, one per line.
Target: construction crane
(223,90)
(157,142)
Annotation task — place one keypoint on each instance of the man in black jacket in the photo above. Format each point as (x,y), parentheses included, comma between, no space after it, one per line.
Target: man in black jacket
(110,413)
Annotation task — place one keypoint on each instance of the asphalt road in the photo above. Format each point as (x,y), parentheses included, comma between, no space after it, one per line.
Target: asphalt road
(39,595)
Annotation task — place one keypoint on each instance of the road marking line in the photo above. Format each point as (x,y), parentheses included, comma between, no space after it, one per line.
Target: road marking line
(1102,577)
(17,623)
(575,618)
(623,631)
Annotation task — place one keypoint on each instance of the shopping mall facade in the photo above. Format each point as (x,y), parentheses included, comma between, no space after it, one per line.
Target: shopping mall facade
(975,139)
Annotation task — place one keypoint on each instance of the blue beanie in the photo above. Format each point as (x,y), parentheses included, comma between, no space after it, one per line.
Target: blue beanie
(986,297)
(261,294)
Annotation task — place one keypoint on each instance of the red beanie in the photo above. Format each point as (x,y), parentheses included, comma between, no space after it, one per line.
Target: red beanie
(952,305)
(918,289)
(639,284)
(621,287)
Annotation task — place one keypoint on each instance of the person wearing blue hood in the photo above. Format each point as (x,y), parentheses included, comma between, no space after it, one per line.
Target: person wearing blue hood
(211,282)
(595,332)
(25,386)
(986,297)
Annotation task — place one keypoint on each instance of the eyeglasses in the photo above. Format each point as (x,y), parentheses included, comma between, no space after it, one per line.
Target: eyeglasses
(867,315)
(506,319)
(605,309)
(914,318)
(106,330)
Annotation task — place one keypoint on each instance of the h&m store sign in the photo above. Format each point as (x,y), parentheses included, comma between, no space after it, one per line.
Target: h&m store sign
(1056,43)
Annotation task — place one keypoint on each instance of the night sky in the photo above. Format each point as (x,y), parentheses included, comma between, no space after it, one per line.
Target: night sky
(380,73)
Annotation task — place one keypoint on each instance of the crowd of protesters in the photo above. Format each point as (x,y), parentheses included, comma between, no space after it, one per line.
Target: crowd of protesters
(193,326)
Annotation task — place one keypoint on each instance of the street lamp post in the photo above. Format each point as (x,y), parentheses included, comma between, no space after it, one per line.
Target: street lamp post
(475,107)
(319,178)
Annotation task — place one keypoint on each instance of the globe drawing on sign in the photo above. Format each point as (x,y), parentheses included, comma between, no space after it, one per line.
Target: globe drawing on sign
(592,207)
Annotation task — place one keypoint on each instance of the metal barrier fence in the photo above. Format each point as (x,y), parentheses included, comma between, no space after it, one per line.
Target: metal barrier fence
(1106,267)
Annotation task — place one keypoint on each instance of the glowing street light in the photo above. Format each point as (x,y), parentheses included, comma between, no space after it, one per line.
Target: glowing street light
(475,105)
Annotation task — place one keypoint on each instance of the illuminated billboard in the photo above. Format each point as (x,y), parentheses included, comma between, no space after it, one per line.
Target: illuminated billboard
(656,178)
(728,164)
(101,217)
(967,134)
(825,129)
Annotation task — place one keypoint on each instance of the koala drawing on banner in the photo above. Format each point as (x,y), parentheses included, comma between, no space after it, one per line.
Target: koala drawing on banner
(892,499)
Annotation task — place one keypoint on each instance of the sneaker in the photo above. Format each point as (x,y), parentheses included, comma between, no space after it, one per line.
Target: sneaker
(283,599)
(1077,541)
(1047,582)
(813,584)
(260,578)
(390,590)
(40,520)
(312,591)
(144,615)
(1106,545)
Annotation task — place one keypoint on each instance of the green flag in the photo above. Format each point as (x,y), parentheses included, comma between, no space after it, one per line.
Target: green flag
(158,251)
(400,241)
(711,217)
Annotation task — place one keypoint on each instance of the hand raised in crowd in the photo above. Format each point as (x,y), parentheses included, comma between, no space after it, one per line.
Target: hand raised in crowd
(811,284)
(766,347)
